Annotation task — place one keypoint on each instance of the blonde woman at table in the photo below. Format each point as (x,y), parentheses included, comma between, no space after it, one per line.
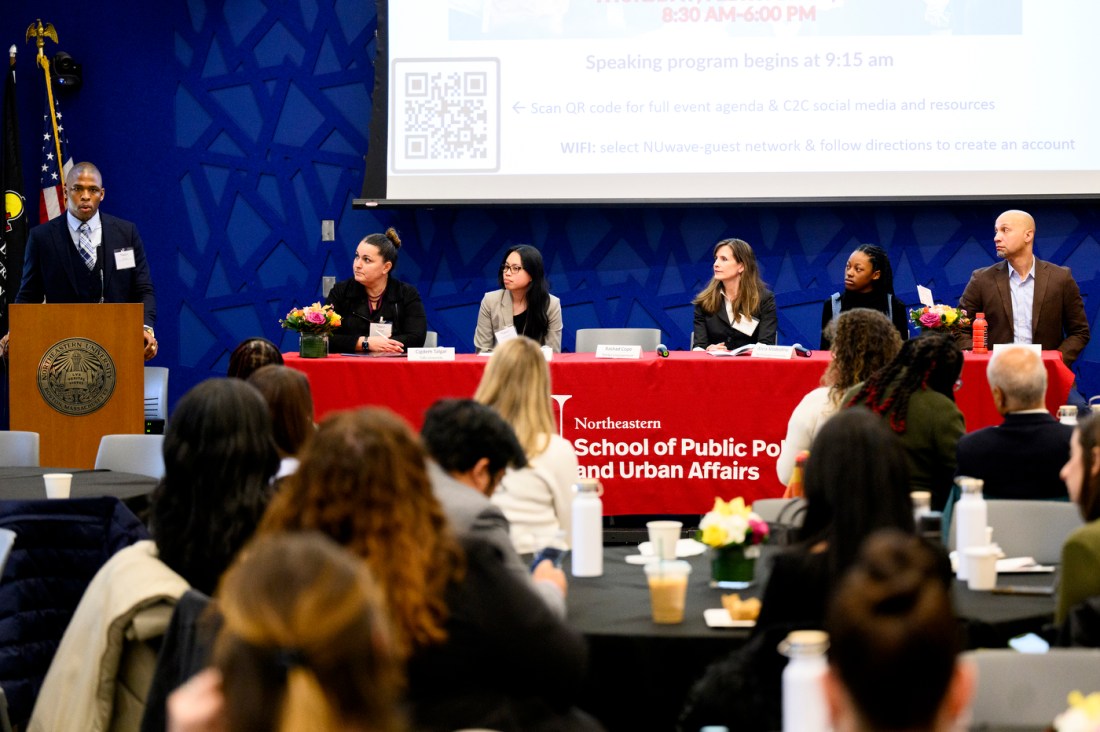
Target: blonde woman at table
(736,308)
(1080,570)
(523,305)
(537,500)
(372,299)
(865,341)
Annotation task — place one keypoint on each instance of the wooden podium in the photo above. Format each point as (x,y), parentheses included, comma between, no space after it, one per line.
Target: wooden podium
(76,374)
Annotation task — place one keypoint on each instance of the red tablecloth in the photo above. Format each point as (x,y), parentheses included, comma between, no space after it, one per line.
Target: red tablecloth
(665,435)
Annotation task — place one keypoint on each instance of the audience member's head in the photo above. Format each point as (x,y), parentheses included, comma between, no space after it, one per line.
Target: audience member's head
(516,383)
(468,439)
(856,481)
(287,394)
(1082,471)
(894,642)
(932,361)
(252,354)
(219,456)
(863,341)
(363,482)
(1017,379)
(305,642)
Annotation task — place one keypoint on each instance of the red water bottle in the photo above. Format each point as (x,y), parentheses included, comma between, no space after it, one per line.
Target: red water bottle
(980,344)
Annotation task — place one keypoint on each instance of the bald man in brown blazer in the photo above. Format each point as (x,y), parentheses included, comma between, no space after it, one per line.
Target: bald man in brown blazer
(1005,292)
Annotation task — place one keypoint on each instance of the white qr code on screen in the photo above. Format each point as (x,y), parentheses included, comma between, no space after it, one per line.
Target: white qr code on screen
(446,115)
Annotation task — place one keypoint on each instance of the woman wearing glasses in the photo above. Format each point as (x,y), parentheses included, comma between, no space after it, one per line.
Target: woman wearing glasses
(523,305)
(380,314)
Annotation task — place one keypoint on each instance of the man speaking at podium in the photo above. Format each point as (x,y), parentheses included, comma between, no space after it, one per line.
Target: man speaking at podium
(86,256)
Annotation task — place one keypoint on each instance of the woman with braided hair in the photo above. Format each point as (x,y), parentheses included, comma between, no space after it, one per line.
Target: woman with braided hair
(914,393)
(868,283)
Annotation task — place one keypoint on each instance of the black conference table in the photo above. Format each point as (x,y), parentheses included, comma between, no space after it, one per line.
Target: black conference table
(640,672)
(23,484)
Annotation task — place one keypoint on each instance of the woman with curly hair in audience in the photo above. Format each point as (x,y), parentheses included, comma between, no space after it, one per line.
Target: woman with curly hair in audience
(915,394)
(305,643)
(219,459)
(484,650)
(536,499)
(865,342)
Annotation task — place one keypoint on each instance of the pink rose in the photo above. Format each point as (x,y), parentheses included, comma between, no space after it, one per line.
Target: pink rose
(315,316)
(930,320)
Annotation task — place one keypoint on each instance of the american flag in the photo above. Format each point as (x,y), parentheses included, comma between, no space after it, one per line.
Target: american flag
(52,203)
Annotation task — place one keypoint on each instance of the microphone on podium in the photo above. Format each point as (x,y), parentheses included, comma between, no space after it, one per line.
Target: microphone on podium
(801,350)
(662,350)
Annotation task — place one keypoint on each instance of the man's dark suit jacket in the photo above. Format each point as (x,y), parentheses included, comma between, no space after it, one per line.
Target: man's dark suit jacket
(1020,458)
(1058,319)
(48,268)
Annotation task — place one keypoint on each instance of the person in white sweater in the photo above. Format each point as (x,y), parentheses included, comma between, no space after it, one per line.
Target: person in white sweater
(864,341)
(536,499)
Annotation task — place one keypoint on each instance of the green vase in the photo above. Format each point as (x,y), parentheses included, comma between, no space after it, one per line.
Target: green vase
(313,345)
(733,565)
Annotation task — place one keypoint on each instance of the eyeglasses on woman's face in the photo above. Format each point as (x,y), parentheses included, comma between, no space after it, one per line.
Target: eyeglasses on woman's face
(513,268)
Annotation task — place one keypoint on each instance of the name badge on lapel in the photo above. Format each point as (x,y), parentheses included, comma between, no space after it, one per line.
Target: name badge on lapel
(124,258)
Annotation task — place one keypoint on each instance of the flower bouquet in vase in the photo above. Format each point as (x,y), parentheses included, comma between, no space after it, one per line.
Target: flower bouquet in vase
(734,534)
(313,324)
(1083,714)
(942,318)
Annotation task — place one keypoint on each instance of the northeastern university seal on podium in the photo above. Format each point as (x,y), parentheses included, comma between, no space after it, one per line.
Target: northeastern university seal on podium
(76,376)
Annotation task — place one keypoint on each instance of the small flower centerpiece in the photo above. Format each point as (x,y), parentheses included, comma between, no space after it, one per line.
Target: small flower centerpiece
(1083,714)
(313,324)
(943,318)
(734,533)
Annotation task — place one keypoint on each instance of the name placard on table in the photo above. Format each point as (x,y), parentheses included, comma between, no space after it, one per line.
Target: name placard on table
(763,350)
(441,353)
(609,351)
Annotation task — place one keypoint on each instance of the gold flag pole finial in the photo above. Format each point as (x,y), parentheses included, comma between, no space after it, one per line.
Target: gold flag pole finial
(40,33)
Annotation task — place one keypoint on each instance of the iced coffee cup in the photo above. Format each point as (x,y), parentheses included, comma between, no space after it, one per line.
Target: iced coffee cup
(668,590)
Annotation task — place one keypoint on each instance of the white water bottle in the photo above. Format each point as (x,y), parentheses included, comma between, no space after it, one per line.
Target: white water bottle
(970,521)
(804,706)
(587,560)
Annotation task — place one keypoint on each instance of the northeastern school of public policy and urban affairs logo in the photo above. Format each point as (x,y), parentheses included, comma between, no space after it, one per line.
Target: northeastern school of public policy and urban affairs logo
(76,376)
(14,208)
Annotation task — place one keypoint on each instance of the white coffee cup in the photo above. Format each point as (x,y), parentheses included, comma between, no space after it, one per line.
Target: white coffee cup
(981,567)
(58,485)
(663,536)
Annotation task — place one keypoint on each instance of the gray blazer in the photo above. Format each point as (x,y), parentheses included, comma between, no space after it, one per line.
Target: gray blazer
(472,514)
(496,313)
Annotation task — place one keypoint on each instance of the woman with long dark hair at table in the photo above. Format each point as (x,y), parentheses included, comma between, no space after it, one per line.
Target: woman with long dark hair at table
(372,298)
(1080,570)
(735,308)
(868,283)
(915,395)
(523,303)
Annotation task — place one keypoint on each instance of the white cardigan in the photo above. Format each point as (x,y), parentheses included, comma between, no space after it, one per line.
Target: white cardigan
(538,499)
(808,417)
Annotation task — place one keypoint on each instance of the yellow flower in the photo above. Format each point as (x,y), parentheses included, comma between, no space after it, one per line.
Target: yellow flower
(951,315)
(1090,704)
(714,535)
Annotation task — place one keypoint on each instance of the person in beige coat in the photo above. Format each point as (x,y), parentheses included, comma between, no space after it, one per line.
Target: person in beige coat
(523,305)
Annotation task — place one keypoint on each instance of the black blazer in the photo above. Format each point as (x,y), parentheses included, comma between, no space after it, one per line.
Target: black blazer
(401,306)
(48,267)
(1020,458)
(715,328)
